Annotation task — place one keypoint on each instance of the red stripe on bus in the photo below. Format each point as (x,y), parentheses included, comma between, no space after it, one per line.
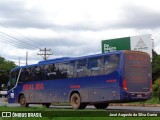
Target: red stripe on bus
(111,81)
(75,86)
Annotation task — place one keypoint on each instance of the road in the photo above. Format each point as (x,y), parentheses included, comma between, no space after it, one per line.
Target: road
(110,108)
(120,108)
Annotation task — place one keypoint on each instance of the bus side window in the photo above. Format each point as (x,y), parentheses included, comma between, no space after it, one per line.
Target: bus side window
(57,71)
(96,66)
(111,63)
(30,74)
(41,72)
(27,75)
(62,71)
(45,72)
(50,71)
(81,68)
(22,75)
(66,70)
(70,70)
(33,73)
(38,73)
(13,77)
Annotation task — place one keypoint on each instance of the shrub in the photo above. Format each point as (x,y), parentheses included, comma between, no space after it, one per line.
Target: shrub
(156,87)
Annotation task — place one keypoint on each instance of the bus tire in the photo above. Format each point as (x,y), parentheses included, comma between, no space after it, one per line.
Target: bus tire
(22,101)
(47,105)
(101,105)
(76,101)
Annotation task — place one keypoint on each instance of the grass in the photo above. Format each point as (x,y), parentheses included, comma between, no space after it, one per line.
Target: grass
(153,100)
(69,114)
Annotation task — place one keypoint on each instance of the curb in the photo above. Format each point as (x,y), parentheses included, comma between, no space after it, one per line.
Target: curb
(138,105)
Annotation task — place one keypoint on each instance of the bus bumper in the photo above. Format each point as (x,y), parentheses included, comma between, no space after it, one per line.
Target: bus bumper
(135,96)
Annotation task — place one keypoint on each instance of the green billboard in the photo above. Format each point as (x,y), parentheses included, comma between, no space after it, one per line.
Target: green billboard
(137,43)
(116,44)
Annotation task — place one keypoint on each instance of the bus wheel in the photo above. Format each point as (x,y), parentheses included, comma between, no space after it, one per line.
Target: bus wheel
(101,105)
(47,105)
(22,101)
(76,102)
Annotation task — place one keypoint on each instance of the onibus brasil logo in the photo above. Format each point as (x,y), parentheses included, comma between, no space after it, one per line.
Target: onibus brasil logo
(21,114)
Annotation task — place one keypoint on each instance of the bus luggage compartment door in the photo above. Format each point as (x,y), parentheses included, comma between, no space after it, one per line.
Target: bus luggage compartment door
(106,94)
(29,95)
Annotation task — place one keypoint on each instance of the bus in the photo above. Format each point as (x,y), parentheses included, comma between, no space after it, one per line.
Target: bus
(113,77)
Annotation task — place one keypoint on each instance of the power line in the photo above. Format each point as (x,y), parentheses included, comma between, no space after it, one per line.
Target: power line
(19,34)
(19,40)
(13,42)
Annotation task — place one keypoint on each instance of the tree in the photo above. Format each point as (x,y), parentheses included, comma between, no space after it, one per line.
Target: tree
(2,59)
(5,67)
(155,66)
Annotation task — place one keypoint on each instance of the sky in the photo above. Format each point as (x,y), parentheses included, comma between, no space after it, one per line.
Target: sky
(72,27)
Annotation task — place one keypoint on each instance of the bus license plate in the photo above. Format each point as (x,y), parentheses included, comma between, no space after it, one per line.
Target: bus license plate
(139,95)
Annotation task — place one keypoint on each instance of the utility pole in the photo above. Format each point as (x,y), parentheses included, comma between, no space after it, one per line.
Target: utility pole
(45,53)
(27,58)
(19,60)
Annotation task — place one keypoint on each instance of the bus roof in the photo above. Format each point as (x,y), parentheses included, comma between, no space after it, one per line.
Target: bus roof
(65,59)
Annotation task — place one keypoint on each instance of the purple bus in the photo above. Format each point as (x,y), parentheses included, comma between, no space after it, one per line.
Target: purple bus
(113,77)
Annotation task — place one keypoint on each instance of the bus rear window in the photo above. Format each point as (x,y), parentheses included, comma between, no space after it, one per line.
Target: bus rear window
(134,59)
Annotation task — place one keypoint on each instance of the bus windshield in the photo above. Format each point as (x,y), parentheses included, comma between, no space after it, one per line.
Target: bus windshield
(137,69)
(13,78)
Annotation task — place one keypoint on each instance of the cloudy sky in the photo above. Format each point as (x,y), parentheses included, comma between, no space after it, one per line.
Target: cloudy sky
(72,27)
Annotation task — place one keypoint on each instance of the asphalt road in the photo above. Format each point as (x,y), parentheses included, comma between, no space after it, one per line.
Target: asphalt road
(110,108)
